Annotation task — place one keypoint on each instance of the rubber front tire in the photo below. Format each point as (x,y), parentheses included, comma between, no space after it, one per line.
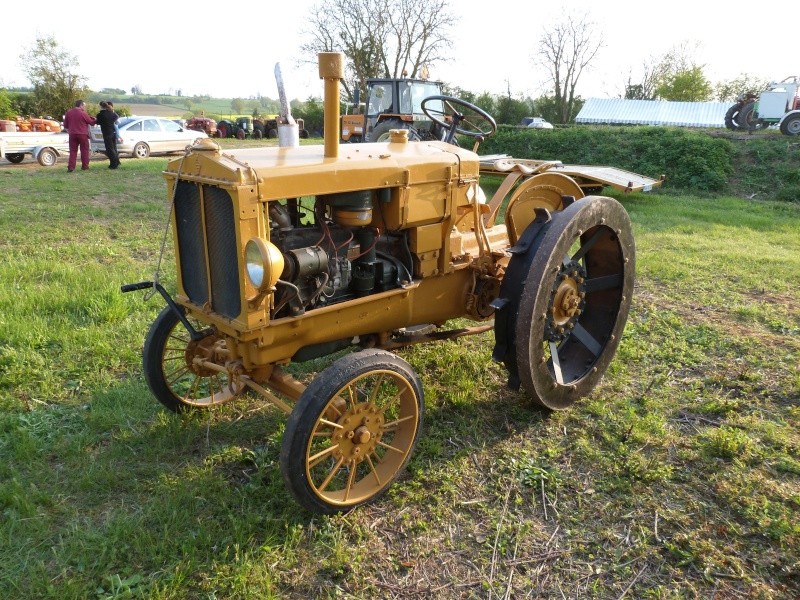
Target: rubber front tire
(169,369)
(47,157)
(352,431)
(575,301)
(141,150)
(16,157)
(791,125)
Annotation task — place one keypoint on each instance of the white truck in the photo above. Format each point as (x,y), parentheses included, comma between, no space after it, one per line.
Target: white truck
(45,147)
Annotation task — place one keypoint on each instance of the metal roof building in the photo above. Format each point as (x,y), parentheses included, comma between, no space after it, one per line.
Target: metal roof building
(619,111)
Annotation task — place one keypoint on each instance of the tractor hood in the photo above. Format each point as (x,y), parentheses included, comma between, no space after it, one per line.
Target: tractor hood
(306,170)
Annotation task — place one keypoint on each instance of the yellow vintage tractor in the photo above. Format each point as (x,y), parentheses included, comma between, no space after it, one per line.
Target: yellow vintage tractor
(288,254)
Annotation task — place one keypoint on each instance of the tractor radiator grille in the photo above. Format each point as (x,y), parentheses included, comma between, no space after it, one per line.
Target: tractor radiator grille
(206,221)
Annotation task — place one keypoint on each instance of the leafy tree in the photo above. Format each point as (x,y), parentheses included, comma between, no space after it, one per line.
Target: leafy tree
(729,91)
(510,111)
(52,71)
(487,102)
(237,106)
(673,76)
(565,51)
(6,109)
(380,38)
(268,105)
(311,111)
(136,90)
(22,104)
(688,85)
(548,107)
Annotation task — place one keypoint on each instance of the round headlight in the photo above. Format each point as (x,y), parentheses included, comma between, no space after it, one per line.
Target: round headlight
(263,263)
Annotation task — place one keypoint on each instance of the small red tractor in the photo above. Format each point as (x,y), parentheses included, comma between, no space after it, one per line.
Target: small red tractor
(204,124)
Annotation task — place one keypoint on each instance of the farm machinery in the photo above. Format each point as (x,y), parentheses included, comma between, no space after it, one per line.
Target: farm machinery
(30,125)
(352,252)
(391,104)
(204,124)
(256,128)
(778,105)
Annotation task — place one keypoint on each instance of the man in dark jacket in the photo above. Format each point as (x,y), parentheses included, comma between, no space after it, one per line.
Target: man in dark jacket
(107,119)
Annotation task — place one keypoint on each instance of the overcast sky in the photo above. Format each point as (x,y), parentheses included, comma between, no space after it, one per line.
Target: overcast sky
(231,50)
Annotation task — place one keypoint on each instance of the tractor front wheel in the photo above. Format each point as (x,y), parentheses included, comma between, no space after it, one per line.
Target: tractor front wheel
(173,375)
(352,431)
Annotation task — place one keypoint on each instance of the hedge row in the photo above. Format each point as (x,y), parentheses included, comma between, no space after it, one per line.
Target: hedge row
(702,161)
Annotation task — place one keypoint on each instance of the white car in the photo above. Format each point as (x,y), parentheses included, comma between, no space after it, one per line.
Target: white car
(143,136)
(538,123)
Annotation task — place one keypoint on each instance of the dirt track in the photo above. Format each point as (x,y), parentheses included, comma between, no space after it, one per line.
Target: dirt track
(29,162)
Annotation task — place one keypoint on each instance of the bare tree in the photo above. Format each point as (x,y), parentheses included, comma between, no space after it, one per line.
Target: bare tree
(379,38)
(645,89)
(565,51)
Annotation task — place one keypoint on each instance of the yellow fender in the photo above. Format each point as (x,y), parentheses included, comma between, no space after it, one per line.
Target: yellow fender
(539,191)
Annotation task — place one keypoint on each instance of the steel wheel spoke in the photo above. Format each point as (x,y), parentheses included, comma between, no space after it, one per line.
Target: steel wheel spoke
(556,362)
(585,247)
(173,376)
(392,448)
(585,338)
(331,475)
(351,477)
(320,456)
(607,282)
(393,425)
(375,391)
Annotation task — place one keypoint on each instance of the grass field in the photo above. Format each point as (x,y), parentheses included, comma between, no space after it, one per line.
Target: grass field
(678,477)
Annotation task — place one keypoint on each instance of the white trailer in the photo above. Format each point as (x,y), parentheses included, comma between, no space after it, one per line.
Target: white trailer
(44,147)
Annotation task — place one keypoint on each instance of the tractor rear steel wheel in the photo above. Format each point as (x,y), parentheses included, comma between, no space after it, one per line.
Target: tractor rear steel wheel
(575,301)
(352,431)
(170,369)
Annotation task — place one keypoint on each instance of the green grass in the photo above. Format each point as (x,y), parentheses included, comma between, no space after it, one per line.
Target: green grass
(678,477)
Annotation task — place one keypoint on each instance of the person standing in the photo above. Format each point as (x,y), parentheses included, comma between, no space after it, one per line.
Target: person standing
(77,122)
(107,119)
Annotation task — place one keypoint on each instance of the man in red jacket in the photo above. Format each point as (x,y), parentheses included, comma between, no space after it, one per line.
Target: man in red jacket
(77,122)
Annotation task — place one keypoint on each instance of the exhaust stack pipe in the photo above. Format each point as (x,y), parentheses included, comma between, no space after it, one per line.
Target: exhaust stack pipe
(331,69)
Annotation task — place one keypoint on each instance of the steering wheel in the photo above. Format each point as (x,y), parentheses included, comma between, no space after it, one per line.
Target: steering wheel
(464,118)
